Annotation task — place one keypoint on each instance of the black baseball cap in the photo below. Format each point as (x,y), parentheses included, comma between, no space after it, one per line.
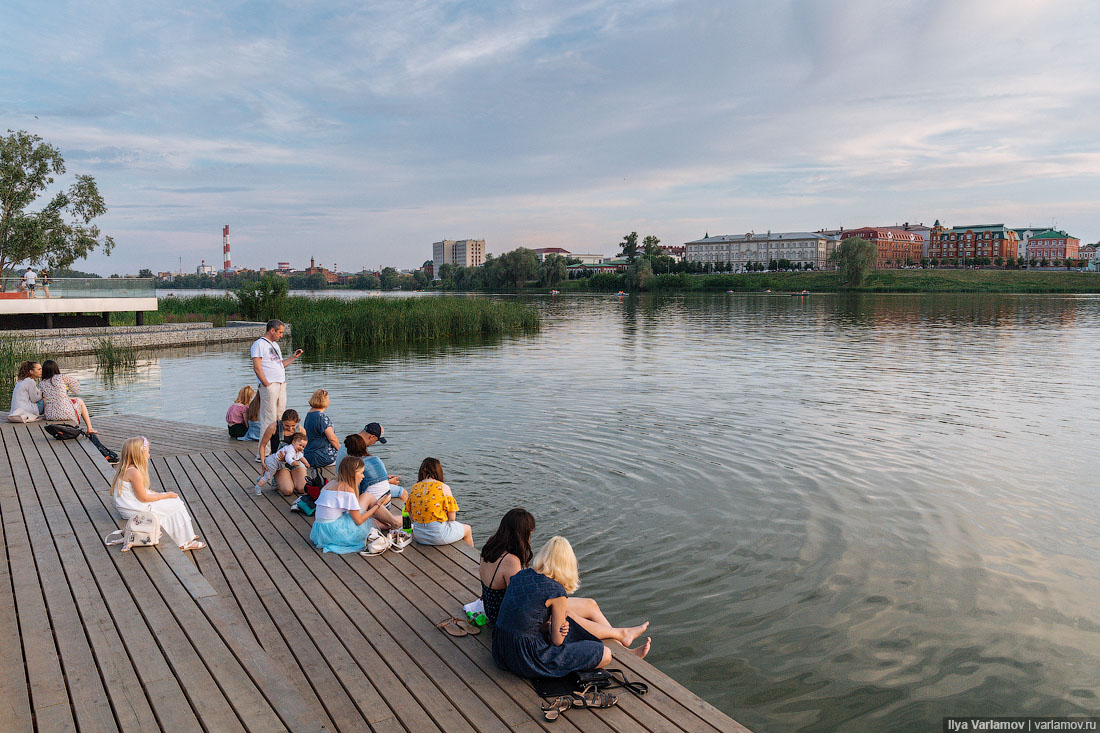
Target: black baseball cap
(373,428)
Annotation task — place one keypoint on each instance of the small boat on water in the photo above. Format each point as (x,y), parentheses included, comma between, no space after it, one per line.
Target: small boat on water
(555,292)
(730,292)
(620,293)
(800,294)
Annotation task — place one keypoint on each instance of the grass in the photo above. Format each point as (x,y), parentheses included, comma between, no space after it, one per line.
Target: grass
(13,352)
(327,323)
(880,281)
(113,356)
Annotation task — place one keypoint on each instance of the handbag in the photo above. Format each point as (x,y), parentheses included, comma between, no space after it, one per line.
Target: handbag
(64,432)
(142,529)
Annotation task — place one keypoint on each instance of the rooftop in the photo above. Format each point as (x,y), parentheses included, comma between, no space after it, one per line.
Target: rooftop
(769,236)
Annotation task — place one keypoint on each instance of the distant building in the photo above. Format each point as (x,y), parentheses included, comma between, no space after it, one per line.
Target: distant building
(543,252)
(968,242)
(461,252)
(587,259)
(608,265)
(1087,253)
(1053,244)
(1025,234)
(204,269)
(895,246)
(330,276)
(811,249)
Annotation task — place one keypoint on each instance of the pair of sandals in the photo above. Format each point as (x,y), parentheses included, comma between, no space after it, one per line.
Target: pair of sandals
(456,626)
(394,540)
(589,697)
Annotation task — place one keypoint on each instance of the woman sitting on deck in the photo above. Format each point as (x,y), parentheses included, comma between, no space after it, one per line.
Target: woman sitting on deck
(130,489)
(252,417)
(537,634)
(26,395)
(505,554)
(55,388)
(287,480)
(433,509)
(322,446)
(342,522)
(357,447)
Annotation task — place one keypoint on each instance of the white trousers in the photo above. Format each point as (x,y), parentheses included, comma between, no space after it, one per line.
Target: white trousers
(272,403)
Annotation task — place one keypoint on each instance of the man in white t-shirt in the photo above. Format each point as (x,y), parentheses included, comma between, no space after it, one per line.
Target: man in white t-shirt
(270,368)
(30,281)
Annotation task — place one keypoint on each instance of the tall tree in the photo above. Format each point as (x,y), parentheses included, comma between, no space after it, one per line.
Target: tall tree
(62,231)
(651,246)
(552,270)
(630,246)
(855,257)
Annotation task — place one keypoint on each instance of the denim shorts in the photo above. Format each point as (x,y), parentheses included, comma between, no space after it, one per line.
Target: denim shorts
(438,533)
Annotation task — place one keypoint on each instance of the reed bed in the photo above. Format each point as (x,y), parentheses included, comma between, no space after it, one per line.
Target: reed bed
(328,323)
(113,356)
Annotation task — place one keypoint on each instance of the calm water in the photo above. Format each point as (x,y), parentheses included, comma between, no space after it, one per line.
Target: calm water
(840,512)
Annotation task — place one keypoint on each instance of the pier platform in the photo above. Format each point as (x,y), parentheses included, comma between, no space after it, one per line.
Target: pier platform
(259,631)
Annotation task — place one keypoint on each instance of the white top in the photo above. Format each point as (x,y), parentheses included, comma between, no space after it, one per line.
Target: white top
(24,399)
(30,276)
(271,359)
(332,503)
(288,455)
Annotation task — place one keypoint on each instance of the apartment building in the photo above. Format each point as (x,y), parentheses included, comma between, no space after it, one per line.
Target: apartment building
(980,240)
(1053,244)
(461,252)
(805,248)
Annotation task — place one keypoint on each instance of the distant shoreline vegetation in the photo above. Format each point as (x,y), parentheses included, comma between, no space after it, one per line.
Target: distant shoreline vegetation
(878,281)
(328,323)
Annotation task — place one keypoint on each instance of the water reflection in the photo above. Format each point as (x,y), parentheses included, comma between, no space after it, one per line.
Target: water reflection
(839,512)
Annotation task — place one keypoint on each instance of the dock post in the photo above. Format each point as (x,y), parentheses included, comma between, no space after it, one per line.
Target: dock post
(139,318)
(49,320)
(106,318)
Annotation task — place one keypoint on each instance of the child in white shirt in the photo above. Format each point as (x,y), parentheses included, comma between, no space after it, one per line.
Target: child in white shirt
(289,456)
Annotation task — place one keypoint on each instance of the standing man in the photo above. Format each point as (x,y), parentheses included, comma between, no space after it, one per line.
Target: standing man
(270,368)
(29,281)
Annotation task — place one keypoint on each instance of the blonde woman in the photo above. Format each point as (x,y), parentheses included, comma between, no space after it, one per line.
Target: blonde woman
(323,445)
(538,632)
(130,489)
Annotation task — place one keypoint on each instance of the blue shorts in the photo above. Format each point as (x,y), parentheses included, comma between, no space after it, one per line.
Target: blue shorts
(438,533)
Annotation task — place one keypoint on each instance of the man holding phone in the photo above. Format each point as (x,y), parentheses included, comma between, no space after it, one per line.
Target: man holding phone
(270,368)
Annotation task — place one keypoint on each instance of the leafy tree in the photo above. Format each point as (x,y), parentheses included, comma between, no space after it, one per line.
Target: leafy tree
(651,246)
(62,231)
(517,267)
(552,270)
(263,299)
(145,272)
(629,246)
(366,282)
(420,279)
(1043,262)
(854,259)
(998,261)
(1032,262)
(389,278)
(639,275)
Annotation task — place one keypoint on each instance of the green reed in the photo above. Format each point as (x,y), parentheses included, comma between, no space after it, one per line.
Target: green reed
(113,356)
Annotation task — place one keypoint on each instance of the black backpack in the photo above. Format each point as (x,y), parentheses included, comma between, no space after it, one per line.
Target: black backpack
(64,432)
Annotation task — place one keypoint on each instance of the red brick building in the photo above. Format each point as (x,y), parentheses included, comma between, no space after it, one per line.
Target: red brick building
(968,242)
(1053,244)
(895,245)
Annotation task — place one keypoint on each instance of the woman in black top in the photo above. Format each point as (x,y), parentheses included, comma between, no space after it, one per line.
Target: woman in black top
(505,554)
(287,481)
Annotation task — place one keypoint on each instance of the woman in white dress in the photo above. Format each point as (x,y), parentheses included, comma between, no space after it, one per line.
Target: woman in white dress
(25,397)
(130,489)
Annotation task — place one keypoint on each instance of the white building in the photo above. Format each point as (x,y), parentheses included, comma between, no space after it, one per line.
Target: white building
(805,248)
(461,252)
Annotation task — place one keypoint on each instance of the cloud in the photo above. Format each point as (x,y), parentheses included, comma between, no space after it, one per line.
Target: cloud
(367,131)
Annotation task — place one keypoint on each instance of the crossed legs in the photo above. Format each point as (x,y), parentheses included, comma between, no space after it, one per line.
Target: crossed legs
(587,613)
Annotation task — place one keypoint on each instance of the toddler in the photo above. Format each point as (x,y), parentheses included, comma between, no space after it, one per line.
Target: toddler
(236,415)
(289,456)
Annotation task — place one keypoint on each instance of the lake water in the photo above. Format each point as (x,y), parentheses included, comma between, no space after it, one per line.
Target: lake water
(838,512)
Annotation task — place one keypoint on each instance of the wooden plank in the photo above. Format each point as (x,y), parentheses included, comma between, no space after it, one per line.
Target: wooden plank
(15,703)
(511,697)
(356,666)
(202,689)
(136,645)
(50,705)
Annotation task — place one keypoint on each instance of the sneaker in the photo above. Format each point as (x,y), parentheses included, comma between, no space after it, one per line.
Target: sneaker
(399,540)
(257,490)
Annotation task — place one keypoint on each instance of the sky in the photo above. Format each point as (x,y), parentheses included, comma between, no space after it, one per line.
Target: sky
(359,133)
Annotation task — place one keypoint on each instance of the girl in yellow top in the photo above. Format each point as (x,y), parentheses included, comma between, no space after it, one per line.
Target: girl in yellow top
(432,508)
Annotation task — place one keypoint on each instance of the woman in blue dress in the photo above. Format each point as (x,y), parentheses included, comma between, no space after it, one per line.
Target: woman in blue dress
(537,634)
(342,522)
(322,443)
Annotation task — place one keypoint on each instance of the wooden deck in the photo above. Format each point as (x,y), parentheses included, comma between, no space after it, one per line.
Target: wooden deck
(260,631)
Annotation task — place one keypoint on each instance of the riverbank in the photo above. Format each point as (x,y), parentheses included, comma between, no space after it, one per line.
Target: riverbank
(883,281)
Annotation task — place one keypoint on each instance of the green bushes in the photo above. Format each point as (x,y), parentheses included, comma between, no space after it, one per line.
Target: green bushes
(13,352)
(112,356)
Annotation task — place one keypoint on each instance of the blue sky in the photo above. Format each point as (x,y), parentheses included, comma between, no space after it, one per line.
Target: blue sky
(361,132)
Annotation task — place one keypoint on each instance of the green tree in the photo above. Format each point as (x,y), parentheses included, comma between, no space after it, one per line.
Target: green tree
(263,299)
(552,270)
(62,231)
(639,276)
(145,272)
(420,279)
(854,258)
(651,247)
(629,246)
(389,278)
(366,282)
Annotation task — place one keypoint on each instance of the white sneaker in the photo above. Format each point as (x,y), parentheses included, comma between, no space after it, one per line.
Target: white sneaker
(257,490)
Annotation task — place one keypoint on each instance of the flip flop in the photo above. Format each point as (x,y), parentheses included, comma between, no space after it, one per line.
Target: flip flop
(471,629)
(193,545)
(593,699)
(553,708)
(452,627)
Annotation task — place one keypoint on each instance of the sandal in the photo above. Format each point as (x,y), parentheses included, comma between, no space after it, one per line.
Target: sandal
(452,626)
(553,708)
(193,545)
(593,699)
(399,540)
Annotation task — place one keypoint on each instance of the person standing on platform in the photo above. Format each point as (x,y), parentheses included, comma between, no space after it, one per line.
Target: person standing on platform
(270,368)
(29,281)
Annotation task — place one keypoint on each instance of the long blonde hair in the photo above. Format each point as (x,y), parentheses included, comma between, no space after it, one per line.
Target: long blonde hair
(244,396)
(557,561)
(133,454)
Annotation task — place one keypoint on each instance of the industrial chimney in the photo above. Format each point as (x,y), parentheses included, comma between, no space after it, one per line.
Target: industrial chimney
(225,249)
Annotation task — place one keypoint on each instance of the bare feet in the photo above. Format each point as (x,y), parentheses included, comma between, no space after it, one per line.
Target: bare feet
(641,651)
(633,632)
